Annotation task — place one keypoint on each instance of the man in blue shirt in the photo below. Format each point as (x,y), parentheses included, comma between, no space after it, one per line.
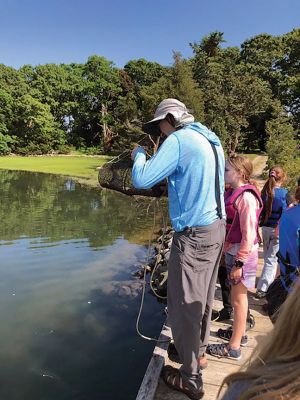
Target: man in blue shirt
(192,160)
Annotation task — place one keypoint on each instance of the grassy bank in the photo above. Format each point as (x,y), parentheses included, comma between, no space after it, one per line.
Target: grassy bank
(80,167)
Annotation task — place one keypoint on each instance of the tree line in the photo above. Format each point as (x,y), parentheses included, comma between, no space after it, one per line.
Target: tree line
(248,95)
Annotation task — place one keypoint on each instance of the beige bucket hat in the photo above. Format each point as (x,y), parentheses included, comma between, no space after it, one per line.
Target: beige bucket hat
(168,106)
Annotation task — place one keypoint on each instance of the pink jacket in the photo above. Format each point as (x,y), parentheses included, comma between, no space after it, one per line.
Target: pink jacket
(243,208)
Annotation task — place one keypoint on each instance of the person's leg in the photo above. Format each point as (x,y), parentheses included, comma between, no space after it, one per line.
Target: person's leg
(192,271)
(225,289)
(205,326)
(240,307)
(266,243)
(215,258)
(271,247)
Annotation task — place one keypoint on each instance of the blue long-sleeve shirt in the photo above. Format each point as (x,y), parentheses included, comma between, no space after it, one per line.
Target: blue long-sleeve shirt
(187,160)
(289,244)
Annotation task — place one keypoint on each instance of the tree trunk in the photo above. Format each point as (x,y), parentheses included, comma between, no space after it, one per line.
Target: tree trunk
(108,134)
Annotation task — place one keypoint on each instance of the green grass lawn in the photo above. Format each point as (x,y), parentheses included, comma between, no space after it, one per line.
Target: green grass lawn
(75,166)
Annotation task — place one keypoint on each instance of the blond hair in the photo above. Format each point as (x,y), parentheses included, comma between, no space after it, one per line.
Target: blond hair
(274,369)
(244,166)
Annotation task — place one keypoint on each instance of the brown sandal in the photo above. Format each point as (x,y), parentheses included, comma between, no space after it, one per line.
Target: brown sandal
(173,379)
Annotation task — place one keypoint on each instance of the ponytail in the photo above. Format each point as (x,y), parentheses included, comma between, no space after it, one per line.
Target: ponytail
(268,193)
(276,176)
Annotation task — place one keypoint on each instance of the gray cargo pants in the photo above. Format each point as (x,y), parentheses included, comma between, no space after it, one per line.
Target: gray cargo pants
(192,274)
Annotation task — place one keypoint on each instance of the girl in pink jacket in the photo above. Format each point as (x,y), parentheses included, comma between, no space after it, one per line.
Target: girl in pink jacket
(243,207)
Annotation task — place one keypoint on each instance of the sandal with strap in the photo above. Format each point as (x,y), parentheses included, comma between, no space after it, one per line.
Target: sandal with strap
(174,380)
(223,350)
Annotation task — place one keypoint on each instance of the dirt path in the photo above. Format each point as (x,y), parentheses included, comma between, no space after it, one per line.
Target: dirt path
(259,164)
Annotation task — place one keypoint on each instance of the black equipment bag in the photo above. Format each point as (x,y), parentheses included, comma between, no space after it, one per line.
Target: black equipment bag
(276,296)
(277,291)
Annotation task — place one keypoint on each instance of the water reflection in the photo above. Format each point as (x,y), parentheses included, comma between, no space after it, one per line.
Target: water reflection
(67,332)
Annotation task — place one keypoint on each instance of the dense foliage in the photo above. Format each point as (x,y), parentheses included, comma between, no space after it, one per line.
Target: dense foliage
(250,96)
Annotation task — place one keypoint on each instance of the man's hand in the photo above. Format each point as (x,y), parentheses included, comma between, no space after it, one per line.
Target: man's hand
(133,153)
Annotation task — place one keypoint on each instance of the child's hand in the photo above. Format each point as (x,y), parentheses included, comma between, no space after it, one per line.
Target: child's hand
(236,274)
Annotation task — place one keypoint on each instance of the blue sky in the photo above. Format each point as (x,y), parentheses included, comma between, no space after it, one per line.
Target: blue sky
(64,31)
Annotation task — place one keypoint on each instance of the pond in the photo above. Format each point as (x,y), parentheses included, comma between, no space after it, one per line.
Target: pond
(67,306)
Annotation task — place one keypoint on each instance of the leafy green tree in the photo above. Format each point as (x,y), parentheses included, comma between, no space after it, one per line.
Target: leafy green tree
(281,144)
(178,83)
(60,87)
(6,143)
(283,148)
(233,97)
(99,96)
(12,82)
(144,73)
(35,128)
(136,78)
(260,56)
(208,48)
(49,84)
(288,88)
(6,104)
(186,88)
(211,43)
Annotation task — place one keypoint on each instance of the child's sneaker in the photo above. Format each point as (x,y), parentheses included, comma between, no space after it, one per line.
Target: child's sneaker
(250,322)
(223,350)
(260,295)
(226,334)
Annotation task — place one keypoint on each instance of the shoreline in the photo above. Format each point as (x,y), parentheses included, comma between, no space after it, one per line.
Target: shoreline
(83,169)
(89,182)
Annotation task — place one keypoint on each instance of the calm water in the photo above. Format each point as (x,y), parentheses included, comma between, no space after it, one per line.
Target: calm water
(67,326)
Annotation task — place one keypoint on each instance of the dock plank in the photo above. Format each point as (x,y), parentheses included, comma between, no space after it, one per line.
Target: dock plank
(160,353)
(218,369)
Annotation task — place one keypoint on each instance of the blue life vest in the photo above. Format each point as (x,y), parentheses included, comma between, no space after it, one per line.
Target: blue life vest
(278,206)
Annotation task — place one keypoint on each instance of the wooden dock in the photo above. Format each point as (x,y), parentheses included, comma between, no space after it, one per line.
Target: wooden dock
(153,387)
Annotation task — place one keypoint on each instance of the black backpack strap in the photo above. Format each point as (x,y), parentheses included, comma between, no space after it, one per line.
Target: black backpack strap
(217,183)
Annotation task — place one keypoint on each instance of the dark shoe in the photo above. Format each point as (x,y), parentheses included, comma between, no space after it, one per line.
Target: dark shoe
(223,350)
(222,315)
(214,315)
(250,322)
(174,380)
(260,295)
(226,334)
